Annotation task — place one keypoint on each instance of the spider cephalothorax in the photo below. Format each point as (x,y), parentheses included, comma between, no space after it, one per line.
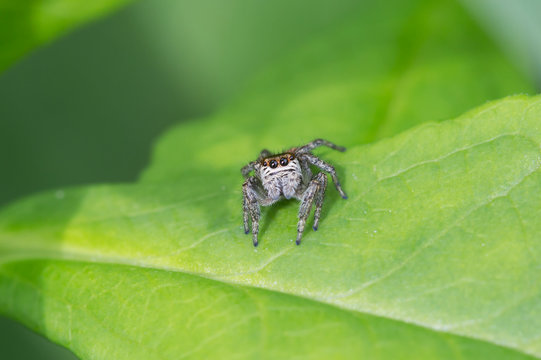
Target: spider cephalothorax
(287,175)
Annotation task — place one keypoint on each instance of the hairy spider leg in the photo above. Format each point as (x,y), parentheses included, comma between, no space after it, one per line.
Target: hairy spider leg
(306,204)
(319,199)
(306,171)
(264,154)
(249,167)
(251,207)
(317,143)
(314,160)
(245,212)
(246,169)
(253,194)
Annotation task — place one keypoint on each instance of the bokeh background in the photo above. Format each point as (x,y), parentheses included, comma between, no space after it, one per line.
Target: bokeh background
(88,107)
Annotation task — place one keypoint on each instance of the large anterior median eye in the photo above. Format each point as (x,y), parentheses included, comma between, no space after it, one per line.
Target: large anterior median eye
(283,161)
(273,163)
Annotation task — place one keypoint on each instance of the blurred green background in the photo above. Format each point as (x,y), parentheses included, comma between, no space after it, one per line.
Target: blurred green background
(88,107)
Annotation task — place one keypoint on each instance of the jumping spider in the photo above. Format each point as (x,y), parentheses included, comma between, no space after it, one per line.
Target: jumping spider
(287,175)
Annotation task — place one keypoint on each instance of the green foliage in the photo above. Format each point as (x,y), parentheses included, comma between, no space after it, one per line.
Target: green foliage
(434,255)
(440,230)
(368,79)
(26,24)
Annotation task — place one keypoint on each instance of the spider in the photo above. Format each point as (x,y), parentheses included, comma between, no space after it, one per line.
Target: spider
(287,175)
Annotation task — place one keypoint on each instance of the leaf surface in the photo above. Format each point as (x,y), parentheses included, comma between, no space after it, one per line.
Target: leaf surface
(434,255)
(440,230)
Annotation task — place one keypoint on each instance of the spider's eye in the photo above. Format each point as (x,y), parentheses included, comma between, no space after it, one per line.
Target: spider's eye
(283,161)
(273,163)
(264,163)
(291,157)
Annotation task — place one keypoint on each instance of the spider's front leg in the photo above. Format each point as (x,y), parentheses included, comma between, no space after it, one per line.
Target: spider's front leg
(314,160)
(247,169)
(317,143)
(264,154)
(320,195)
(250,190)
(313,191)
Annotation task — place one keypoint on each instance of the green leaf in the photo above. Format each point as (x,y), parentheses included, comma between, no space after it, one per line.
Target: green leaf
(441,230)
(433,256)
(27,24)
(105,311)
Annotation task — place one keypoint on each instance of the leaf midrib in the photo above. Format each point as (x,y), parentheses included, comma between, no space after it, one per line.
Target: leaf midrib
(53,252)
(85,258)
